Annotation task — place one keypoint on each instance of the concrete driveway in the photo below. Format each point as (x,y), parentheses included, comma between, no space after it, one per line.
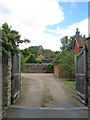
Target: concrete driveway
(46,94)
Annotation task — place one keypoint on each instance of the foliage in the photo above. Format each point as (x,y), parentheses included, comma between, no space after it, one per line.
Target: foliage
(22,79)
(31,59)
(69,83)
(34,50)
(39,59)
(66,58)
(46,51)
(10,40)
(68,63)
(67,44)
(23,67)
(50,68)
(56,59)
(25,52)
(28,51)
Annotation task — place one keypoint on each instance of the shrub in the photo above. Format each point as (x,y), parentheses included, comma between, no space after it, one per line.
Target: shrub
(23,67)
(39,59)
(66,58)
(31,59)
(50,68)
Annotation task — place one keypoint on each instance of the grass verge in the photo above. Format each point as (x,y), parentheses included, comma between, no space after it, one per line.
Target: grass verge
(71,84)
(22,79)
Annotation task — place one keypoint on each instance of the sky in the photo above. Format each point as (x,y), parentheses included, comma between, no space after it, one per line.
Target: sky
(45,22)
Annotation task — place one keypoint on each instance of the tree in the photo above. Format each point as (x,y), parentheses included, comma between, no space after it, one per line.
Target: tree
(10,40)
(46,51)
(31,59)
(66,58)
(67,44)
(34,50)
(31,49)
(68,63)
(23,67)
(56,59)
(26,52)
(50,68)
(39,59)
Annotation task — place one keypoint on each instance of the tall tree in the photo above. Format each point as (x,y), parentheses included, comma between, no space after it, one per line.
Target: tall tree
(66,58)
(10,40)
(67,43)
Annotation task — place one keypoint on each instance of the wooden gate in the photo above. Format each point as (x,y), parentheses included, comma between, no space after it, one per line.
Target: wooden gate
(81,75)
(15,83)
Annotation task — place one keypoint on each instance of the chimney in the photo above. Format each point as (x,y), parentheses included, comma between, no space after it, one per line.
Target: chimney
(77,33)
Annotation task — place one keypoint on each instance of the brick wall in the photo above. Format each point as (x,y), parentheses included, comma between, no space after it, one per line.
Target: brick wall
(57,70)
(36,68)
(6,83)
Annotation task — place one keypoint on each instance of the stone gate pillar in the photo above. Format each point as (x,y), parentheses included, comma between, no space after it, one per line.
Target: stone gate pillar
(0,90)
(6,81)
(0,77)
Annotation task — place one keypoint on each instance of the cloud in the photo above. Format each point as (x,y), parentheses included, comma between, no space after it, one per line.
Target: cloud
(70,30)
(37,13)
(31,17)
(73,0)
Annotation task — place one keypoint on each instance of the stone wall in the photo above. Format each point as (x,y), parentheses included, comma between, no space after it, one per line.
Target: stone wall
(36,68)
(6,82)
(0,91)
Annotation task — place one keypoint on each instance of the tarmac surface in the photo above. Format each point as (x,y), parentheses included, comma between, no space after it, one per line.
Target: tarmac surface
(45,96)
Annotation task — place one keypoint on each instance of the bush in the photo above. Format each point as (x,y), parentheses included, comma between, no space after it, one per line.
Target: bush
(50,68)
(31,59)
(39,59)
(23,67)
(66,58)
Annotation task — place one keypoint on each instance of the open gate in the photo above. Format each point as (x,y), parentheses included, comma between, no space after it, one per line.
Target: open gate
(81,75)
(16,74)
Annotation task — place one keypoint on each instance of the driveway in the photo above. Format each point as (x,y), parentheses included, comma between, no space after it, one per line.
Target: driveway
(45,92)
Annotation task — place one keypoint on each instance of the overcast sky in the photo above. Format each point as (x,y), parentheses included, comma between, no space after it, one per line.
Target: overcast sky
(44,22)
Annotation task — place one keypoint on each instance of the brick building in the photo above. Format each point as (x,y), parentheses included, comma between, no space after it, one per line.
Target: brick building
(79,42)
(45,55)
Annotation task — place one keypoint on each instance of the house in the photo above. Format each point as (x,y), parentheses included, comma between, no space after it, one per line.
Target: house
(79,42)
(47,60)
(45,55)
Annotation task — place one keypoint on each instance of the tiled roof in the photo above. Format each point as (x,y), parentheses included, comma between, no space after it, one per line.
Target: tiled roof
(81,41)
(45,55)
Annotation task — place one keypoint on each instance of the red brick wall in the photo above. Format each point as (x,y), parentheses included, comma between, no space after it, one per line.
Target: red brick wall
(76,49)
(57,70)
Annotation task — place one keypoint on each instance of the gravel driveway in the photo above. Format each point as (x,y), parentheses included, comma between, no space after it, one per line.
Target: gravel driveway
(46,90)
